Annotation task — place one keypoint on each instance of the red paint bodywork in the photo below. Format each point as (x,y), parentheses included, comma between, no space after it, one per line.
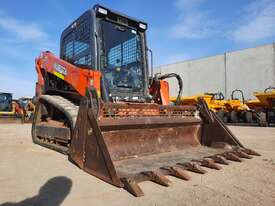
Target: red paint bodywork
(78,78)
(164,92)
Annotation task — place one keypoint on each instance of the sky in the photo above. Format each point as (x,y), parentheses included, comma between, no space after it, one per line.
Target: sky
(178,30)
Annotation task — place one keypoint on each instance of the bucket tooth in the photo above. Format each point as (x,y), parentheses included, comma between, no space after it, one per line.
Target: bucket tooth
(250,151)
(177,172)
(210,163)
(131,186)
(180,173)
(159,178)
(221,145)
(193,167)
(242,154)
(232,157)
(219,159)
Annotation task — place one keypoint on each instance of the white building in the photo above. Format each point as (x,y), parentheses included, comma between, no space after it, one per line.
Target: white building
(250,70)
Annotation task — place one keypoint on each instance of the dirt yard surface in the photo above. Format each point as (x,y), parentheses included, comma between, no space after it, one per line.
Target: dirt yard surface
(32,175)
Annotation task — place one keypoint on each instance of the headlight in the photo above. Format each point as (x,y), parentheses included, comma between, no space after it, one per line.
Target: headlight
(102,11)
(142,26)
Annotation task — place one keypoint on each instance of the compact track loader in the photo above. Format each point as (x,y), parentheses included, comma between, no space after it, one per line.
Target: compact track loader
(99,104)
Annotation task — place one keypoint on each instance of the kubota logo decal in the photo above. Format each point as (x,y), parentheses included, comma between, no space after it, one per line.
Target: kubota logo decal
(60,69)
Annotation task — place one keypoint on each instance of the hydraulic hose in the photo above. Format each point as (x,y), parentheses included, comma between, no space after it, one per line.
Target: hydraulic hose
(93,95)
(180,83)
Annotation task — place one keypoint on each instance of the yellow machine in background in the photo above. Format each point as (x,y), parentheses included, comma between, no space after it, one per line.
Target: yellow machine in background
(254,104)
(215,102)
(264,105)
(237,109)
(232,110)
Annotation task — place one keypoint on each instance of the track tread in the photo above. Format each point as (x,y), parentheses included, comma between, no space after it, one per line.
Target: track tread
(64,105)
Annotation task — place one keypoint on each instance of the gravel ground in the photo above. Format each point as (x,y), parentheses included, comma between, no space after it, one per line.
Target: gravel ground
(32,175)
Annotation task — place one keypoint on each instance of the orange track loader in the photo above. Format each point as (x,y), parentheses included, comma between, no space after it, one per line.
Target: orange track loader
(99,104)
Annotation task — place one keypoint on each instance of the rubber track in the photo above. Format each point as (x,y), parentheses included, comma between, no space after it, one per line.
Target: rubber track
(66,107)
(63,105)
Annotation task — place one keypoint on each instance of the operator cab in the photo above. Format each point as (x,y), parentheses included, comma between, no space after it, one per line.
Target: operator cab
(115,45)
(5,102)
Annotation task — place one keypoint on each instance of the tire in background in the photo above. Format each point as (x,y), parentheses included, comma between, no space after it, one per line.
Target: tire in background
(223,115)
(234,117)
(261,119)
(248,117)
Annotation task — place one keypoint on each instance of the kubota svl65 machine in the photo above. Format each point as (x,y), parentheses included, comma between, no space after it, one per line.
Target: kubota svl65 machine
(99,104)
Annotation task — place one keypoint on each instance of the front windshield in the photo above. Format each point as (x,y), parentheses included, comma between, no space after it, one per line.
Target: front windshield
(121,59)
(23,102)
